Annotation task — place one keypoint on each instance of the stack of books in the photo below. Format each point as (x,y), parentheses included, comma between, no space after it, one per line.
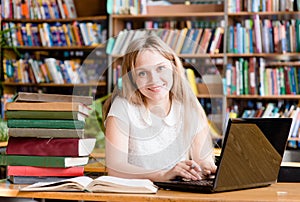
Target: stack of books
(46,137)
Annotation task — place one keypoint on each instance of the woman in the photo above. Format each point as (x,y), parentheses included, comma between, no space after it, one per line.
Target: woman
(156,128)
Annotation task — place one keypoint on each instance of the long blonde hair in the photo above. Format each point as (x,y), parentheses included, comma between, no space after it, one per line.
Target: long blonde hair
(180,90)
(193,116)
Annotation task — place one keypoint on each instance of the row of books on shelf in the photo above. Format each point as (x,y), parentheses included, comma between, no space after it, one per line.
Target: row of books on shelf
(35,9)
(264,36)
(55,34)
(252,77)
(51,70)
(46,137)
(235,6)
(178,24)
(184,41)
(271,110)
(127,7)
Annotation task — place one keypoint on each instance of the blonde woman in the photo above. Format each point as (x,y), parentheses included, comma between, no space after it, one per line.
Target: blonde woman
(155,127)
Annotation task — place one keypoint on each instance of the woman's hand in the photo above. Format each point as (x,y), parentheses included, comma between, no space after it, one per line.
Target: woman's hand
(207,168)
(188,169)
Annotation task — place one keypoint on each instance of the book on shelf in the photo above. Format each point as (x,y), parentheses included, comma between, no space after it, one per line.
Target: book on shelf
(44,161)
(46,97)
(71,8)
(31,114)
(100,184)
(44,171)
(45,123)
(49,106)
(191,78)
(34,146)
(46,132)
(180,40)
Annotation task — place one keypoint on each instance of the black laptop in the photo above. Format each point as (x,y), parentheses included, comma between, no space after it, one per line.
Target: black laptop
(251,156)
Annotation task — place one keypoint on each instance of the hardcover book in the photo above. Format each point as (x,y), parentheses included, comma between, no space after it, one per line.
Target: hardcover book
(46,132)
(49,106)
(100,184)
(44,97)
(44,161)
(50,146)
(43,123)
(43,171)
(34,179)
(32,114)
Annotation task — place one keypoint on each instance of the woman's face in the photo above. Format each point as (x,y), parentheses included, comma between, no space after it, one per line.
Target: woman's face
(154,75)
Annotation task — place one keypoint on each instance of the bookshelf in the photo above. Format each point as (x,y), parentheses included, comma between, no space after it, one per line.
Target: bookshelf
(72,43)
(269,51)
(172,20)
(235,50)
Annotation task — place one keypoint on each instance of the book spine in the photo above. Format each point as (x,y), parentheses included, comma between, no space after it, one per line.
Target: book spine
(43,146)
(39,161)
(41,171)
(27,123)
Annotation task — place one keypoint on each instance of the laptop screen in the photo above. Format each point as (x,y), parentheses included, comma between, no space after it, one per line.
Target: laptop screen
(252,152)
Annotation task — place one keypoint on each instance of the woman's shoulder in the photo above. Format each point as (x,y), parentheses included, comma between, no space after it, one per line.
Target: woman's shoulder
(122,103)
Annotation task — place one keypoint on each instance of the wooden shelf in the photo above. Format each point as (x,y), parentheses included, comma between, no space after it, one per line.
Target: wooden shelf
(3,144)
(275,97)
(287,14)
(102,83)
(93,18)
(220,55)
(209,96)
(171,15)
(57,48)
(275,56)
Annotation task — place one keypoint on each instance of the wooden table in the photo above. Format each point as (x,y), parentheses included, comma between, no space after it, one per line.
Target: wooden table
(276,192)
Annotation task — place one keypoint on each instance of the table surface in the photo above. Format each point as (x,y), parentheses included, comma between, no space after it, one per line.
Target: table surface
(275,192)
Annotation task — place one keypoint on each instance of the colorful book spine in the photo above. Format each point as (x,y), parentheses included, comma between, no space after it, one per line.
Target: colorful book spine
(43,171)
(39,123)
(34,146)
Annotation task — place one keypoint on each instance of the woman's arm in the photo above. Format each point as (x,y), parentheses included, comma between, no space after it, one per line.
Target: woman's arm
(117,142)
(202,152)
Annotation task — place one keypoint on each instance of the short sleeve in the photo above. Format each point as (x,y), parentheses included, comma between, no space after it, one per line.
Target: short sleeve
(119,110)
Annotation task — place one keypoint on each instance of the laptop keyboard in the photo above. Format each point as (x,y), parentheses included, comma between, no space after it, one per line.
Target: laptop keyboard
(208,182)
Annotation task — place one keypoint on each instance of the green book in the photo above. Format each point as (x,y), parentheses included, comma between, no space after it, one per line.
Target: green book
(46,132)
(44,161)
(31,114)
(42,123)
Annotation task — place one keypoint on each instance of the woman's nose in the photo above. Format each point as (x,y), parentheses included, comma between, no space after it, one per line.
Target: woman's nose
(154,77)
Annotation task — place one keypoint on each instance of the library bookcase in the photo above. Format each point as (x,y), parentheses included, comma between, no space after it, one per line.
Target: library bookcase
(245,53)
(47,35)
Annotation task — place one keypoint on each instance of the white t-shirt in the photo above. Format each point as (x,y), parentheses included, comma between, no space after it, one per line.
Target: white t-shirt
(154,142)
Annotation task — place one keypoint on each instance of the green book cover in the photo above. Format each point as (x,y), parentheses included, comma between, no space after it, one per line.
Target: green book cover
(31,114)
(44,161)
(42,123)
(246,77)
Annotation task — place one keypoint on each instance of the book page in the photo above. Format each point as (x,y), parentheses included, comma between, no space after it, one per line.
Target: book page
(72,184)
(125,182)
(121,185)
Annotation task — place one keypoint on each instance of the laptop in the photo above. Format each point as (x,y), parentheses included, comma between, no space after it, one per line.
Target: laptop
(251,155)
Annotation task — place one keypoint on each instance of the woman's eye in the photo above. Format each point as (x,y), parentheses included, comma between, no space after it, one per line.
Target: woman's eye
(160,68)
(142,74)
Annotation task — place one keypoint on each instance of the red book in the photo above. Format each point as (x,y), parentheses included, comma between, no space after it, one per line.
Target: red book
(43,171)
(252,76)
(50,146)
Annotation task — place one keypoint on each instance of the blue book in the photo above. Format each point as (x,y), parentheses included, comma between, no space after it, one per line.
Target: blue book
(271,44)
(240,39)
(231,40)
(251,41)
(187,42)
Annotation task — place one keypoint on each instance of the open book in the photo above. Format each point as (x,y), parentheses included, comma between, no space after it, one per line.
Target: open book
(100,184)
